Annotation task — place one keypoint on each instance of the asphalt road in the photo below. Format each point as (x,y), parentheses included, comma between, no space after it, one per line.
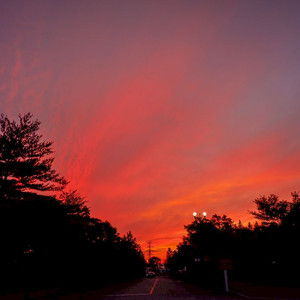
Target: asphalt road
(162,288)
(159,288)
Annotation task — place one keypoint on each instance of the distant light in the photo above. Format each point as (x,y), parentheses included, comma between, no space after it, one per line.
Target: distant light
(204,214)
(194,214)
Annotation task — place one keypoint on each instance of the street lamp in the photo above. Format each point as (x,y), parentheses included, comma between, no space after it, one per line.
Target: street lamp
(194,214)
(204,214)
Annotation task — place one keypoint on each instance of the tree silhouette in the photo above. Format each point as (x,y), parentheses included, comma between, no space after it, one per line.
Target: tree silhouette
(75,203)
(154,263)
(46,240)
(292,218)
(25,160)
(263,253)
(271,210)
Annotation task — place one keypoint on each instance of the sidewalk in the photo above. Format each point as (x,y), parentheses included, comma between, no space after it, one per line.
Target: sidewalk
(255,291)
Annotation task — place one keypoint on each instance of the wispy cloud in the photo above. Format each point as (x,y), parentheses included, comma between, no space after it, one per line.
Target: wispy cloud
(159,110)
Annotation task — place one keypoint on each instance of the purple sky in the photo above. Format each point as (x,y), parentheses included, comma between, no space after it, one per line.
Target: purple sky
(160,108)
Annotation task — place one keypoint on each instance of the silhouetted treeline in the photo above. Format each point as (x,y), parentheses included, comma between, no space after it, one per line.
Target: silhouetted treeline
(46,240)
(268,252)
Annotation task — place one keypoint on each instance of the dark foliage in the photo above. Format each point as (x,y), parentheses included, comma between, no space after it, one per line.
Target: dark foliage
(266,253)
(270,209)
(25,160)
(49,241)
(154,263)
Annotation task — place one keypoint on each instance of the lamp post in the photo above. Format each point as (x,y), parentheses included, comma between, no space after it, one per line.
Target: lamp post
(194,214)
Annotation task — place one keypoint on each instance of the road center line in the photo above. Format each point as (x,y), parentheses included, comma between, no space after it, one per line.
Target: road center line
(152,290)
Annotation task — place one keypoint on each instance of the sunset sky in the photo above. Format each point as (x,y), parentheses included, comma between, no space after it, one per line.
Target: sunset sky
(160,108)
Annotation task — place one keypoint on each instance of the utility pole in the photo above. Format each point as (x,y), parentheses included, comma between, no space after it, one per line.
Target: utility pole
(149,250)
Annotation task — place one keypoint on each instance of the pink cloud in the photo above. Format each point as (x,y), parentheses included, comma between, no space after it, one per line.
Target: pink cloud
(158,110)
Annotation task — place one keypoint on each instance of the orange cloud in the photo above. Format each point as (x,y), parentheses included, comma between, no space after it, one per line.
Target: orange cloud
(157,111)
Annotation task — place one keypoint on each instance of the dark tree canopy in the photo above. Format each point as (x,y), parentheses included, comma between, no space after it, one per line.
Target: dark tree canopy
(265,253)
(270,210)
(154,262)
(25,160)
(75,203)
(51,240)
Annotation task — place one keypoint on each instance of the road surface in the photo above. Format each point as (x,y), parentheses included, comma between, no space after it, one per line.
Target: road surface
(162,288)
(159,288)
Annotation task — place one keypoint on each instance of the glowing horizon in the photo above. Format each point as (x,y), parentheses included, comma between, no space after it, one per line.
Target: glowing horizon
(159,109)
